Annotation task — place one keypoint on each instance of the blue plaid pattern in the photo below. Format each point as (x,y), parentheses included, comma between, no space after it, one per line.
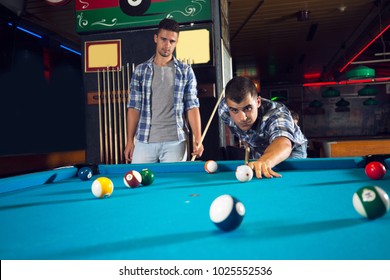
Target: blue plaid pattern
(185,96)
(274,120)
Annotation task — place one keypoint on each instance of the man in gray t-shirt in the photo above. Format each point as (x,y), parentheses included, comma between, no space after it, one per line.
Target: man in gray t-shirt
(162,94)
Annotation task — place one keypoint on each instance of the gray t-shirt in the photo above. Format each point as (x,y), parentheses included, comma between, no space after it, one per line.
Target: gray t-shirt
(163,123)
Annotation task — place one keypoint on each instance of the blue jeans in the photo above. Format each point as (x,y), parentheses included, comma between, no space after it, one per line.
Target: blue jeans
(172,151)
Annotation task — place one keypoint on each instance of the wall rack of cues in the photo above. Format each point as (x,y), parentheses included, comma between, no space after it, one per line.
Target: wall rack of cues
(113,90)
(113,85)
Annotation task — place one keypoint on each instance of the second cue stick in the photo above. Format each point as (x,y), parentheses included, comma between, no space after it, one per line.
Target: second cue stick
(119,99)
(209,122)
(100,118)
(114,96)
(247,150)
(109,114)
(105,117)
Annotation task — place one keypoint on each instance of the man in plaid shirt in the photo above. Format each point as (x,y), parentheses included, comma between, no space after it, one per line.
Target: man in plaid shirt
(266,126)
(162,91)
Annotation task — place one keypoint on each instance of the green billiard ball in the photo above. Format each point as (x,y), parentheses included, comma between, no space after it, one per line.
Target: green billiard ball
(147,177)
(371,202)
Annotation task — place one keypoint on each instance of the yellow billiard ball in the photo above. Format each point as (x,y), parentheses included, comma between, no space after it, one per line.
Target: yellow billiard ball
(102,187)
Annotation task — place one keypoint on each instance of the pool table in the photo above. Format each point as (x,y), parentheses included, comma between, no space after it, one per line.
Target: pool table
(305,215)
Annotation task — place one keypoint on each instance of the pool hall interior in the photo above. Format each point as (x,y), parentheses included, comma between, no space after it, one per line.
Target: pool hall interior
(326,60)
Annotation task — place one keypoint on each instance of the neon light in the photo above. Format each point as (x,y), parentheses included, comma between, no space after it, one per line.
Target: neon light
(369,44)
(311,75)
(319,84)
(29,32)
(69,49)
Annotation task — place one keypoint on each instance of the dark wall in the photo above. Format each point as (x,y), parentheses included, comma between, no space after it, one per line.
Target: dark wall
(42,100)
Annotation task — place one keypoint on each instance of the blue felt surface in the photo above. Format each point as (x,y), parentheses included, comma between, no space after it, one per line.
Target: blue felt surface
(306,214)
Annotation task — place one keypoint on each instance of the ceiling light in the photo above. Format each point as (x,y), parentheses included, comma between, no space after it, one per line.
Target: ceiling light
(368,91)
(360,72)
(315,104)
(370,101)
(330,92)
(342,103)
(342,106)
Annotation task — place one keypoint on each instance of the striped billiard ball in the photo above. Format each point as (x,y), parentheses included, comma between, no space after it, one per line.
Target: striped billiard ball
(371,202)
(102,187)
(132,179)
(227,212)
(84,173)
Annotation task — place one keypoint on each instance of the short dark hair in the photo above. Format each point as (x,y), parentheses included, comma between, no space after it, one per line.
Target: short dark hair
(238,87)
(168,24)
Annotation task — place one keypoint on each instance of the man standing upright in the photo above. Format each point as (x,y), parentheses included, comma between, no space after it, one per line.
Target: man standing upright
(162,93)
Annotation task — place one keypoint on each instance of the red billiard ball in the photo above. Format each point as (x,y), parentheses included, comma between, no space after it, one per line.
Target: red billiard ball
(375,170)
(132,179)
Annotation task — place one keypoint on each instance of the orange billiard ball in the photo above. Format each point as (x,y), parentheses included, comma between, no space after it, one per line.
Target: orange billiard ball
(211,166)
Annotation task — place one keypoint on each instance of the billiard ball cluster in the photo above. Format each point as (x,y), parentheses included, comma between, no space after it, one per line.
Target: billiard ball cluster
(134,178)
(372,202)
(227,212)
(243,172)
(103,187)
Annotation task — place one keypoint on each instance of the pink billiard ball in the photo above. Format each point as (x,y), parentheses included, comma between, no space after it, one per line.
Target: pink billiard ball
(132,179)
(375,170)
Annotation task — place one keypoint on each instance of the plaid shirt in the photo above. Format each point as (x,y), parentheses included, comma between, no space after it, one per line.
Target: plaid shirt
(274,120)
(185,96)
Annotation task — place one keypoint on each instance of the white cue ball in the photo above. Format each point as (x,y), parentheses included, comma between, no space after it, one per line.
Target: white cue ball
(211,166)
(227,212)
(244,173)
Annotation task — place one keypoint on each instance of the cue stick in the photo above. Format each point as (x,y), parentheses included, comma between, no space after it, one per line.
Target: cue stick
(105,117)
(115,117)
(124,102)
(100,118)
(247,150)
(109,113)
(209,121)
(120,117)
(124,107)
